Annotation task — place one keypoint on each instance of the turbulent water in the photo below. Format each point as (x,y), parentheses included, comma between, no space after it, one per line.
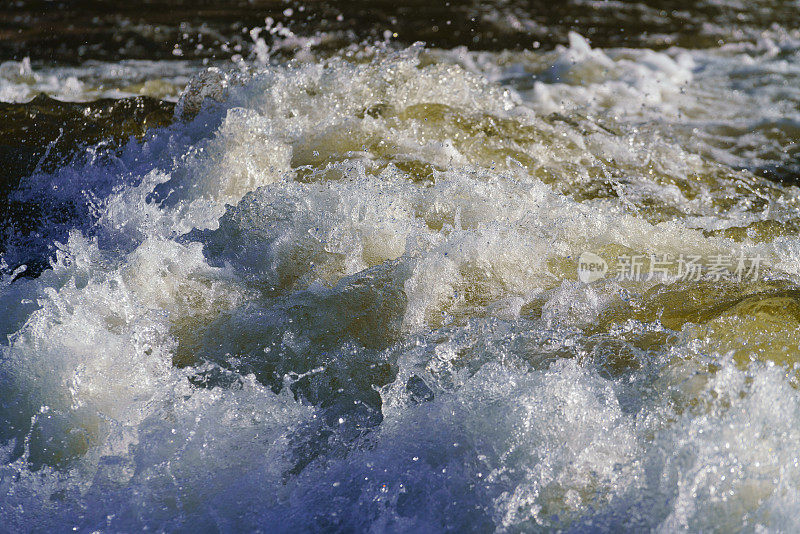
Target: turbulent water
(346,288)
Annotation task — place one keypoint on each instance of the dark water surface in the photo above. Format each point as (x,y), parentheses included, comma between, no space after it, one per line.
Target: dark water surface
(75,31)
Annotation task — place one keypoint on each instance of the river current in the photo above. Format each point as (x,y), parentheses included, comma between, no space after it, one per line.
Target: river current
(345,283)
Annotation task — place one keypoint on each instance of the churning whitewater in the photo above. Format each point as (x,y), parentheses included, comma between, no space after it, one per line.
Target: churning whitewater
(341,292)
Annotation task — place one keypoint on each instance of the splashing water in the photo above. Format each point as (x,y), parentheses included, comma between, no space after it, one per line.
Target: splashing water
(340,292)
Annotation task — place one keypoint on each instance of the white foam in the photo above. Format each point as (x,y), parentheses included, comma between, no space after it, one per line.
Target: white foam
(395,236)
